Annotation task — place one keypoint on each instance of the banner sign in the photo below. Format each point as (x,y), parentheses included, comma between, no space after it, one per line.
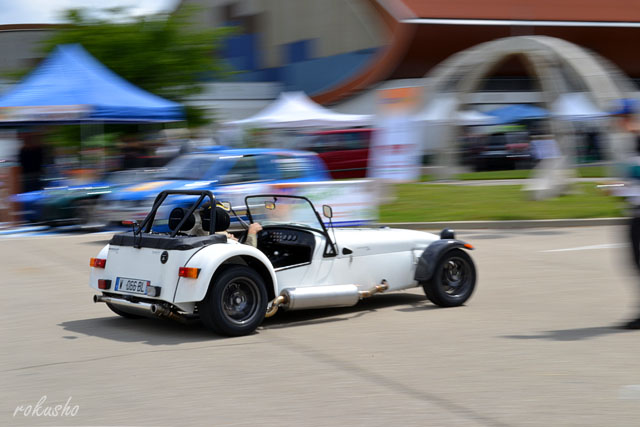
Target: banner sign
(395,153)
(39,113)
(353,202)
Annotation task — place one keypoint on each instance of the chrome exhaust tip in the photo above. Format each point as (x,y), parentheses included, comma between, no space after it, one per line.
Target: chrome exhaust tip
(159,310)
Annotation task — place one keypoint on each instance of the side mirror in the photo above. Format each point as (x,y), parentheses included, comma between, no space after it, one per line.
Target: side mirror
(269,205)
(327,211)
(225,205)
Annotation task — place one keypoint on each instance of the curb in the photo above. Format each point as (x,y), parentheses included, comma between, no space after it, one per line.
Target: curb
(503,225)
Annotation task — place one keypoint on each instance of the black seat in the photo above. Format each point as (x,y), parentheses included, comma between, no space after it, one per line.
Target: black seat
(222,219)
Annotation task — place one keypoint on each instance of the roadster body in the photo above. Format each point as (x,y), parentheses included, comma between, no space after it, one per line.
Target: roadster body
(199,270)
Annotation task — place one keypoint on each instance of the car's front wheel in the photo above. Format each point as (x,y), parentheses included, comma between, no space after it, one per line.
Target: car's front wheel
(236,302)
(453,280)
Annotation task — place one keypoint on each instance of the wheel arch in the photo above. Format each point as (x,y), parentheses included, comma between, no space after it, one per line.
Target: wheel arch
(212,260)
(256,265)
(433,253)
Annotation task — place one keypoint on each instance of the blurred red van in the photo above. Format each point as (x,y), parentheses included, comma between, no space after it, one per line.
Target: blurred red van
(344,151)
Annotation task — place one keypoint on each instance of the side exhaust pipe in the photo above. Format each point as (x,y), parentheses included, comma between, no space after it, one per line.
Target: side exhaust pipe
(377,289)
(322,297)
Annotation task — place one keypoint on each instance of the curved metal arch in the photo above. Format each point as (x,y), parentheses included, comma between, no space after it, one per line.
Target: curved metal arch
(604,81)
(547,58)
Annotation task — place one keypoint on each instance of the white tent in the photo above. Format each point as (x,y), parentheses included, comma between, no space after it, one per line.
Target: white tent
(575,106)
(474,118)
(440,110)
(296,109)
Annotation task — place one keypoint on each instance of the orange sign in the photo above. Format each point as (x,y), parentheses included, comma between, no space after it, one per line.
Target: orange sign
(402,100)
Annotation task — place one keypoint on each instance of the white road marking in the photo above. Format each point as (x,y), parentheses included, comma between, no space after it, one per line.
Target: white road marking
(629,392)
(591,247)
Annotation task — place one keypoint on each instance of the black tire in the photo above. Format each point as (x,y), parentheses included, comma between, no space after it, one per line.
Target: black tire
(85,211)
(236,302)
(123,313)
(453,280)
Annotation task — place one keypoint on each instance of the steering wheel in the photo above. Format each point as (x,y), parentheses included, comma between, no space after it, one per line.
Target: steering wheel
(262,235)
(243,237)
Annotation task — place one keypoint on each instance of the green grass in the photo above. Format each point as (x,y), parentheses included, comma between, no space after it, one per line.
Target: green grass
(439,202)
(508,174)
(583,172)
(593,172)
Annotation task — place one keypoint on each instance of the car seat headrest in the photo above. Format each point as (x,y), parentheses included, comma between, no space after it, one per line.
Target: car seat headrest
(176,216)
(222,218)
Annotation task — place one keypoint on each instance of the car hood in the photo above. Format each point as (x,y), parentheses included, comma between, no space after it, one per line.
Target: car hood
(29,197)
(371,241)
(152,188)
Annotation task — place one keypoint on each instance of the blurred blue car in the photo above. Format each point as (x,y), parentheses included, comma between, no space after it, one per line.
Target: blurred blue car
(229,173)
(64,202)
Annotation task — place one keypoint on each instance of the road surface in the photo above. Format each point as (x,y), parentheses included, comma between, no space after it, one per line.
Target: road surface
(535,346)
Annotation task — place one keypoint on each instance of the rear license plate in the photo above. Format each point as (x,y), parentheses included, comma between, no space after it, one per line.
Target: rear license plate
(134,286)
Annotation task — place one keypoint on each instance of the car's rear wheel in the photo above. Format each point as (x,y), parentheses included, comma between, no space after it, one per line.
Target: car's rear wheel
(236,302)
(453,280)
(123,313)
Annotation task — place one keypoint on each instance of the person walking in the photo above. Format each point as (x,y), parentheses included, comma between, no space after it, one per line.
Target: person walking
(31,159)
(627,123)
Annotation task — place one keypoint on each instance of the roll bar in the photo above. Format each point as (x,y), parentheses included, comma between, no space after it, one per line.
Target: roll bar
(160,198)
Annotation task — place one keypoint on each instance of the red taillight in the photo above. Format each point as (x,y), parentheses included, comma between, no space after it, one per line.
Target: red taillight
(190,272)
(97,262)
(104,284)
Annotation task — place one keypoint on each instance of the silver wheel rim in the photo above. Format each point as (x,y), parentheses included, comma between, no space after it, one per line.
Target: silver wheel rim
(240,298)
(456,276)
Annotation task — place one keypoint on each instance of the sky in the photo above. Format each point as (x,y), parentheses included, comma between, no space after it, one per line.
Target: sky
(48,11)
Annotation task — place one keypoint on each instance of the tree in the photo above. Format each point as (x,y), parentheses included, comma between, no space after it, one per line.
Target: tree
(163,54)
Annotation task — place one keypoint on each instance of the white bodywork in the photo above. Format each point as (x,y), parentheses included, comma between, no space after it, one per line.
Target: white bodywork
(376,255)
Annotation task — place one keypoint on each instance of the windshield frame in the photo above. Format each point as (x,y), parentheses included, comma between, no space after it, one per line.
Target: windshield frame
(322,230)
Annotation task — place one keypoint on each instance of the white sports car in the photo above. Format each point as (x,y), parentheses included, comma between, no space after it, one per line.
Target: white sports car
(198,270)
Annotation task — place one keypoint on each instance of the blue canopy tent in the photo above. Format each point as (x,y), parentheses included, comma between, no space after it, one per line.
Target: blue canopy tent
(71,86)
(516,113)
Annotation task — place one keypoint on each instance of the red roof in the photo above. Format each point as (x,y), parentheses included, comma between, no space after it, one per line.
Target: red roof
(542,10)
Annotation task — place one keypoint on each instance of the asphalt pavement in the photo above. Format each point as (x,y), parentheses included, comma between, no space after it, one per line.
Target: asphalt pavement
(536,345)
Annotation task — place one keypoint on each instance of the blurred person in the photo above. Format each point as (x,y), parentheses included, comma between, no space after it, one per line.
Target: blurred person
(133,154)
(551,173)
(4,192)
(544,147)
(222,223)
(592,141)
(628,123)
(31,158)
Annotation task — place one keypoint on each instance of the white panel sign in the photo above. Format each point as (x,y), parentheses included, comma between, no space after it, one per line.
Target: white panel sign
(395,150)
(353,202)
